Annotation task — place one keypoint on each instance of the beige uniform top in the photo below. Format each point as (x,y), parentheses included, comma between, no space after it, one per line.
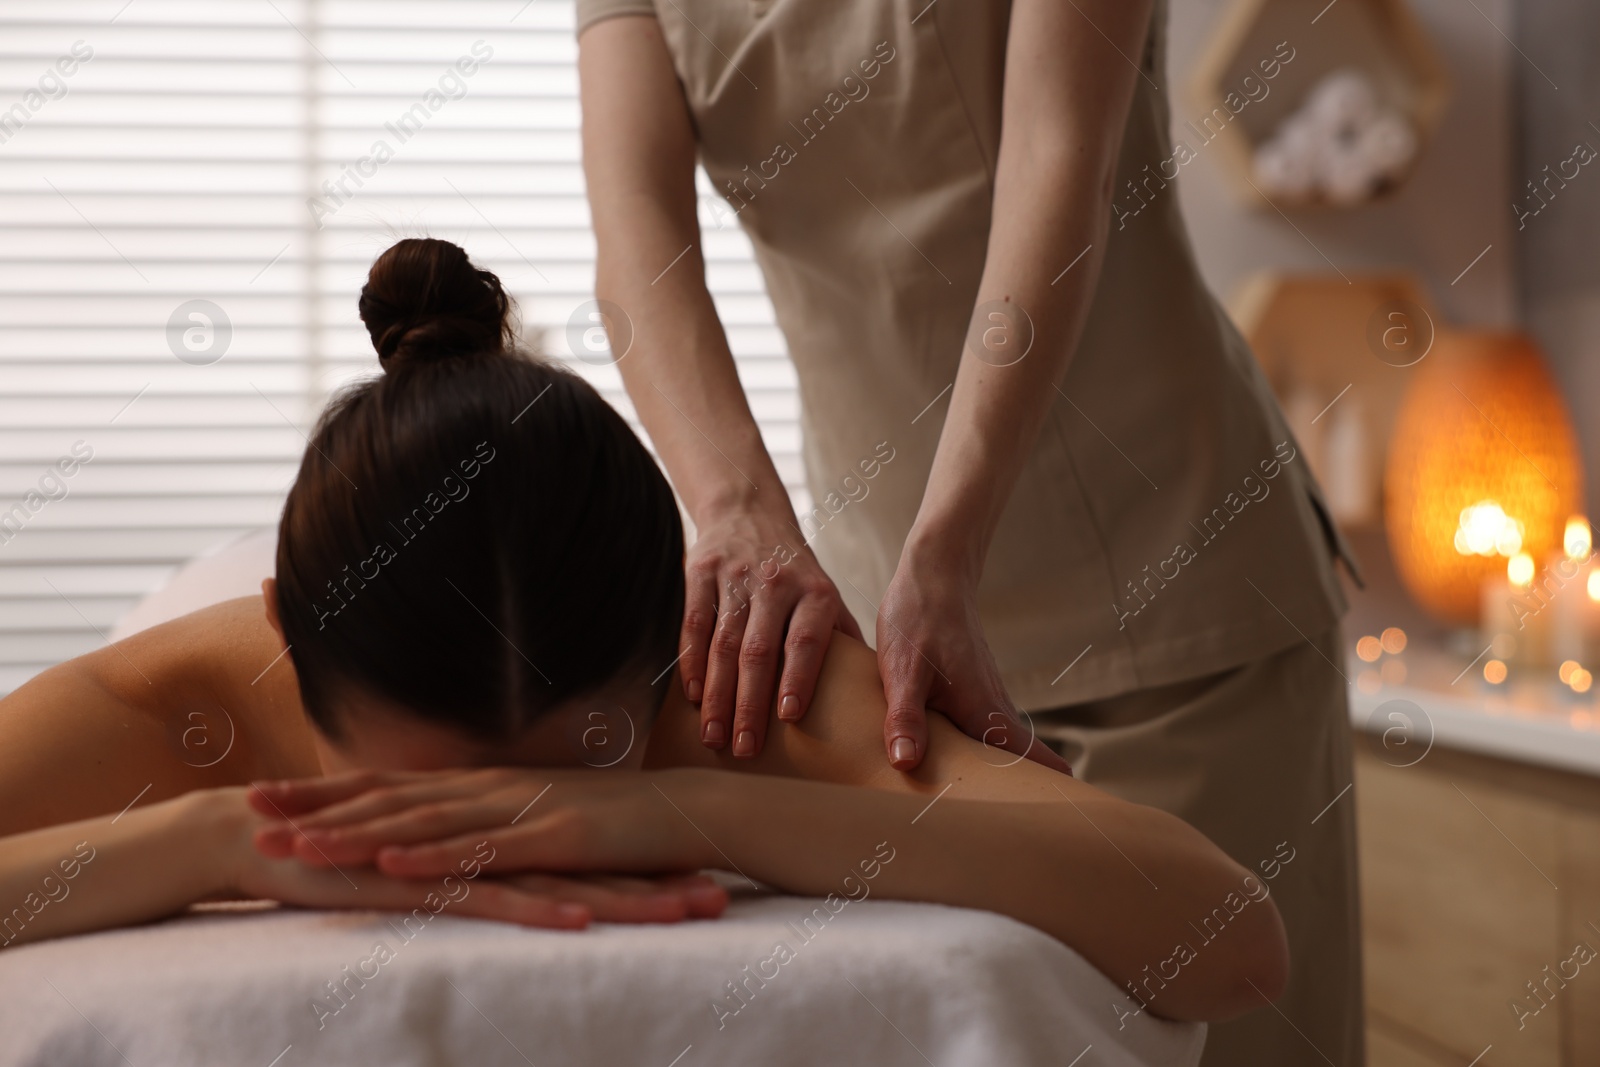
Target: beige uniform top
(1164,527)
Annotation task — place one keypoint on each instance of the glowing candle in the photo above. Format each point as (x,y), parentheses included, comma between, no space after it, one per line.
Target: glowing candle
(1576,628)
(1513,607)
(1578,540)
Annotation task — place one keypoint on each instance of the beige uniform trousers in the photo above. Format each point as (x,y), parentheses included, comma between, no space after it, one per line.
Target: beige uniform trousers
(1258,759)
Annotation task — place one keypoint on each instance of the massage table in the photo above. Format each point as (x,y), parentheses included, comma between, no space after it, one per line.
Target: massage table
(254,984)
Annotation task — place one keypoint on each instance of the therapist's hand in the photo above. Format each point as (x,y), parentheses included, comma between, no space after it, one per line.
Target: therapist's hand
(756,602)
(933,656)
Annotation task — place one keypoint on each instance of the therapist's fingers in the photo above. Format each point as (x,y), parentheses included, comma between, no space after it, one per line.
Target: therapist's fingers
(805,646)
(758,670)
(820,612)
(699,622)
(976,701)
(722,671)
(1045,756)
(1004,728)
(907,680)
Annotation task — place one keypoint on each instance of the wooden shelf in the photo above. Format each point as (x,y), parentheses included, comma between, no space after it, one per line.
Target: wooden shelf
(1316,333)
(1381,38)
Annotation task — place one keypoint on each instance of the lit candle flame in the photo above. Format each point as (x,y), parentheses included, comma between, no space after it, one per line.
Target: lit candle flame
(1578,539)
(1520,570)
(1486,530)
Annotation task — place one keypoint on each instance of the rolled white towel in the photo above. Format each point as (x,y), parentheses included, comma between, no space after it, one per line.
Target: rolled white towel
(1343,102)
(1343,144)
(1348,176)
(1284,170)
(1303,135)
(1390,143)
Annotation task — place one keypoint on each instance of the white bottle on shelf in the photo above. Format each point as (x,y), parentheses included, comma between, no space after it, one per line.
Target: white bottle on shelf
(1349,484)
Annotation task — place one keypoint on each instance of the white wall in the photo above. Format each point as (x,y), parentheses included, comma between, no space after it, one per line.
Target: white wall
(1559,249)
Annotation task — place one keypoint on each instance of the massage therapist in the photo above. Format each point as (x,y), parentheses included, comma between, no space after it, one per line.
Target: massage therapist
(1047,468)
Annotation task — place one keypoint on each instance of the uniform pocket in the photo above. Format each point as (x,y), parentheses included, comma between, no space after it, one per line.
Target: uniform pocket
(1338,547)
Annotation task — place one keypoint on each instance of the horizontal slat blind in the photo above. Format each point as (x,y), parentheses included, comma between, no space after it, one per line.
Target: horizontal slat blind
(214,151)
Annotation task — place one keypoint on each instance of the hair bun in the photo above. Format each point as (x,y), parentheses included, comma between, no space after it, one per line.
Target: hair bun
(424,300)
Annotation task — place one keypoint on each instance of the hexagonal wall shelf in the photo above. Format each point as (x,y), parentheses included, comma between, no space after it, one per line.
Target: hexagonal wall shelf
(1339,354)
(1376,43)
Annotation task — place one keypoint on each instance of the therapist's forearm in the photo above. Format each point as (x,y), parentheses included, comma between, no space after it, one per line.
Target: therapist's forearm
(681,376)
(639,163)
(1068,88)
(1046,212)
(752,636)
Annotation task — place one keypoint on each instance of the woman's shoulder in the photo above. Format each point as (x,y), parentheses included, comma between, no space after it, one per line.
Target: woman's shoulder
(841,740)
(227,661)
(189,704)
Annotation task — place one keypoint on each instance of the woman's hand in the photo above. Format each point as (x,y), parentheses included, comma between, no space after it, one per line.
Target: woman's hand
(932,654)
(754,595)
(476,882)
(424,825)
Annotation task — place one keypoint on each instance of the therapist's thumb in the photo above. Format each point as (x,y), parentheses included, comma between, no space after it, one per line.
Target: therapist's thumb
(905,727)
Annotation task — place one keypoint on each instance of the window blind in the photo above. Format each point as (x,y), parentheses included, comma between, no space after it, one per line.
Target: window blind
(190,195)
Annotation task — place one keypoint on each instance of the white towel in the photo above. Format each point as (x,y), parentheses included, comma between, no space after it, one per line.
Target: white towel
(880,982)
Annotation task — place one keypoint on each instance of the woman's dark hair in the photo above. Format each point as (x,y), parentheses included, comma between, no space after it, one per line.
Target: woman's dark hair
(474,535)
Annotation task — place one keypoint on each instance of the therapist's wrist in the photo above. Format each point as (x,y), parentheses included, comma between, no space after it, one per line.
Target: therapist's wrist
(742,500)
(948,548)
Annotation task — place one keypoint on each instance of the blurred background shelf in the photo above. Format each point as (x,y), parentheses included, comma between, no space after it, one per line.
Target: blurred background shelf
(1380,39)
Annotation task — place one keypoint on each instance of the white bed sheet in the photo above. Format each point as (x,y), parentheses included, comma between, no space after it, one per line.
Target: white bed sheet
(880,983)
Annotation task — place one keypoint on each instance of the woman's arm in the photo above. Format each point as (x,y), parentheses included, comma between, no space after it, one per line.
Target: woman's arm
(1070,74)
(973,825)
(122,799)
(1128,887)
(754,590)
(153,862)
(148,863)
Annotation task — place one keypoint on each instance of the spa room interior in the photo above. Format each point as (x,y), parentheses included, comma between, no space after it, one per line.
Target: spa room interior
(1394,202)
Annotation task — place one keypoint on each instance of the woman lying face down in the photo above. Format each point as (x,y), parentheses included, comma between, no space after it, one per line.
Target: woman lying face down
(466,658)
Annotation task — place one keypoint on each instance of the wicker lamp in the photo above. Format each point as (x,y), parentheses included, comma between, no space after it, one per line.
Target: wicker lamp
(1483,465)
